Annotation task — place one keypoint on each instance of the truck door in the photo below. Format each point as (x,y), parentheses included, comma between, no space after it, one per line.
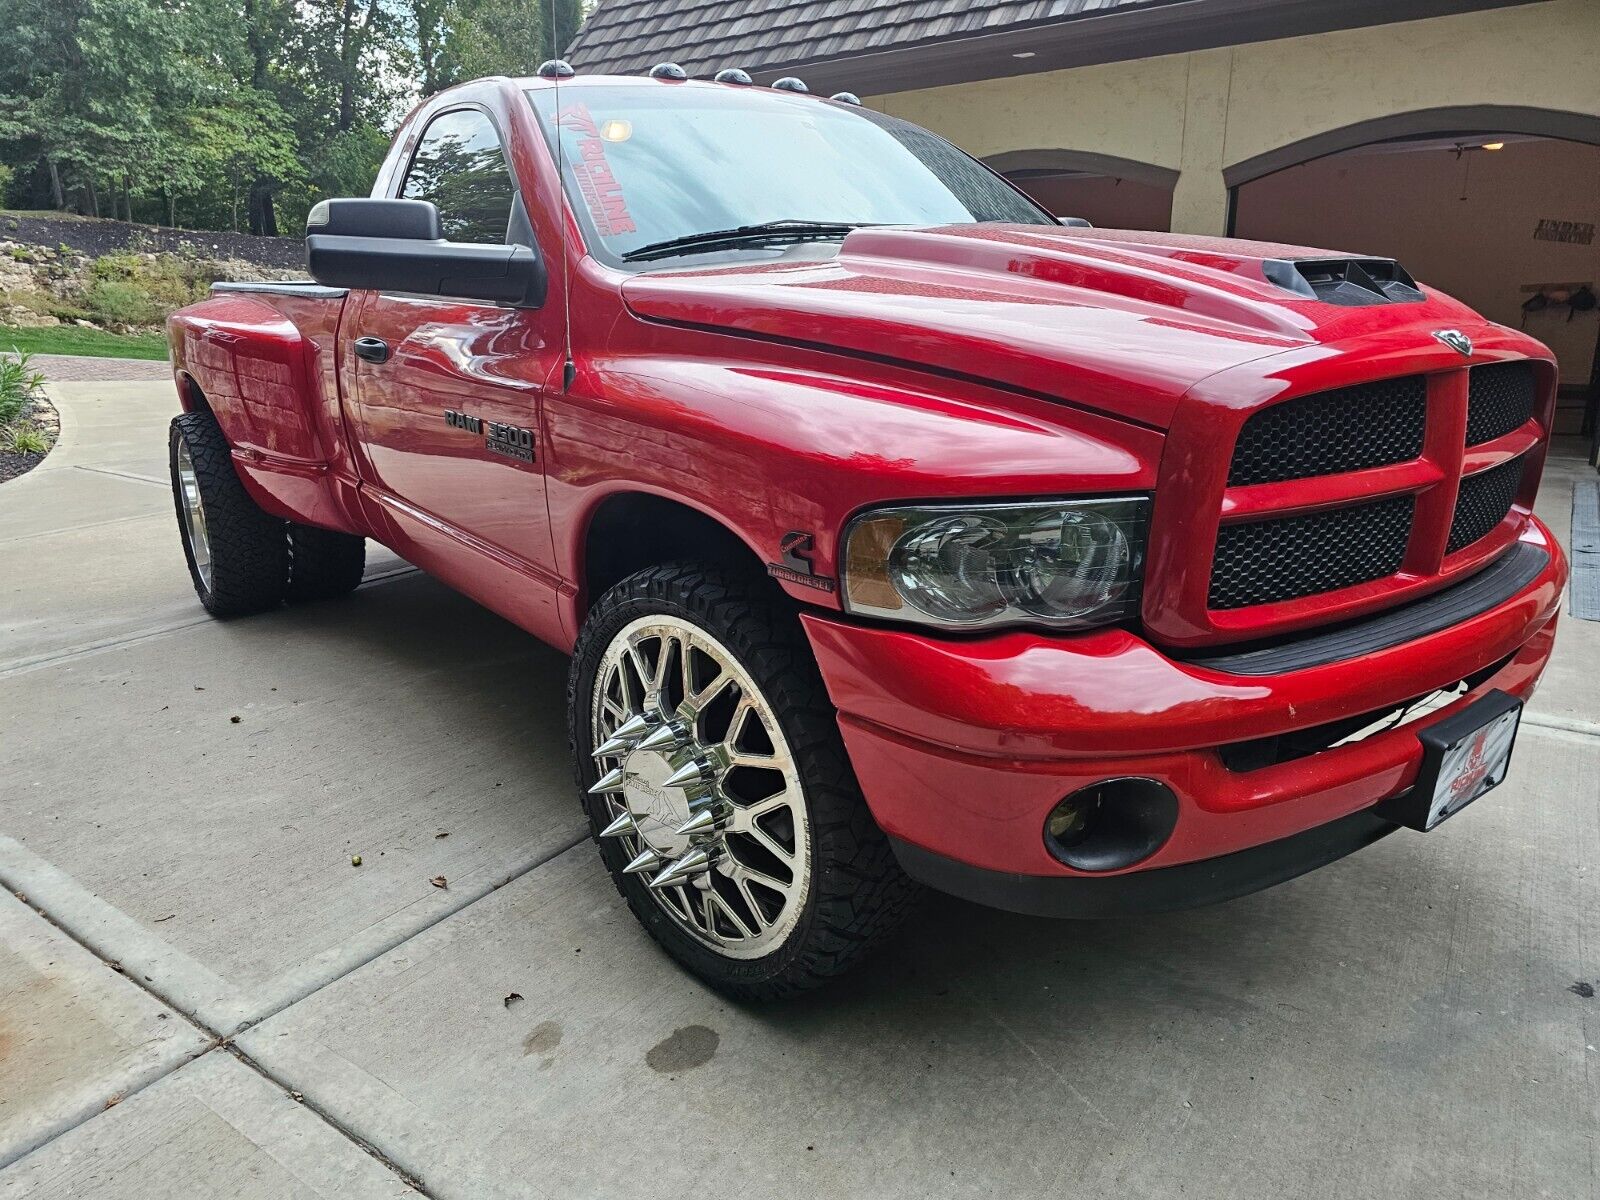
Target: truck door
(449,391)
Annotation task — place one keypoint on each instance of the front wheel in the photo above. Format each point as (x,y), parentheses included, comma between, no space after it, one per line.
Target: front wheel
(718,788)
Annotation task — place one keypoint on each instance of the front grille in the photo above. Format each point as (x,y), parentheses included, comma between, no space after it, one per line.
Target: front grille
(1499,400)
(1483,502)
(1369,425)
(1262,562)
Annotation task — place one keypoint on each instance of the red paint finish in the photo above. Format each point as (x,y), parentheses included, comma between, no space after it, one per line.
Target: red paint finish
(985,362)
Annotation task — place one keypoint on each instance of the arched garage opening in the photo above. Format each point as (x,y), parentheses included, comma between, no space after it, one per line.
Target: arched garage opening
(1110,192)
(1500,207)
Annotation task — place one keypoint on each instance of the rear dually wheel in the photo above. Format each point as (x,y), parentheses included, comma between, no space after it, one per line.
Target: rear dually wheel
(238,555)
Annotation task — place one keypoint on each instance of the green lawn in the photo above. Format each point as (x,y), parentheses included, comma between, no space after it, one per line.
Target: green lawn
(94,343)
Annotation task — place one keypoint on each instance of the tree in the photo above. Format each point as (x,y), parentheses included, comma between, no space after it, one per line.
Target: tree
(236,113)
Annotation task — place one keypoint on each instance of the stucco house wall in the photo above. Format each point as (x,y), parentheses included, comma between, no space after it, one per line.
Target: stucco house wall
(1211,115)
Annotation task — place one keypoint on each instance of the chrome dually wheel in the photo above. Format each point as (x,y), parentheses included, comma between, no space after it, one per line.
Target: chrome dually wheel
(717,785)
(238,554)
(194,514)
(701,786)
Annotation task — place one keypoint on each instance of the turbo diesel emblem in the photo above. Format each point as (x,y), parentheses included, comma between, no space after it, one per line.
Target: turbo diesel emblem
(1456,340)
(797,547)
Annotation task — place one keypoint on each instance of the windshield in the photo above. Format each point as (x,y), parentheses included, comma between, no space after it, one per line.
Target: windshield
(646,165)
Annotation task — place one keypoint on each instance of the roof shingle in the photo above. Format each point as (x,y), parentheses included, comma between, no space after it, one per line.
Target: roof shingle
(629,36)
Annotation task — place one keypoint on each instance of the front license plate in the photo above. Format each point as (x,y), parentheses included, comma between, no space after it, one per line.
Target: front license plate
(1463,756)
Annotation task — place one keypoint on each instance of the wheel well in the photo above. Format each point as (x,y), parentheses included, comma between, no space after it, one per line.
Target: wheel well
(634,531)
(190,396)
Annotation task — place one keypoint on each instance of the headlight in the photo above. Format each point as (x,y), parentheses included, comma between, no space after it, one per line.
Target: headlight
(1068,565)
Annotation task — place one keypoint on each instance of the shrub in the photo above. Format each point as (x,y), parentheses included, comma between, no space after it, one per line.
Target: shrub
(19,385)
(120,303)
(25,439)
(163,282)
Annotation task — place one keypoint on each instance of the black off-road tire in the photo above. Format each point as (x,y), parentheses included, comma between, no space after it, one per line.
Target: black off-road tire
(858,894)
(249,569)
(323,563)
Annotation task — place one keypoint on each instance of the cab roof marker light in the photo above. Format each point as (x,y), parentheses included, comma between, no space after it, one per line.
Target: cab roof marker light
(668,70)
(846,98)
(556,68)
(732,75)
(790,84)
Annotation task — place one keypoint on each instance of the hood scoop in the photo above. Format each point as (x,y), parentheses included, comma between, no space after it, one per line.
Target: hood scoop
(1346,282)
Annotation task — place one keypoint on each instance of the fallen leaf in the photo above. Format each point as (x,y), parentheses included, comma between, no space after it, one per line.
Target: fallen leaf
(115,1100)
(234,720)
(442,833)
(513,998)
(439,881)
(355,860)
(298,1096)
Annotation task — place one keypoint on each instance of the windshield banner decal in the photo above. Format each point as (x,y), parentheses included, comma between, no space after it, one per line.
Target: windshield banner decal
(608,208)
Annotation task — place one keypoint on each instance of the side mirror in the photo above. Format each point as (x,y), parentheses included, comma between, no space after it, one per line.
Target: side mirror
(1075,222)
(398,246)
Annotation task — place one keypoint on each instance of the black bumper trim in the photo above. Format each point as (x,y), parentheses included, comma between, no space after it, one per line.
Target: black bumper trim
(1493,585)
(1164,889)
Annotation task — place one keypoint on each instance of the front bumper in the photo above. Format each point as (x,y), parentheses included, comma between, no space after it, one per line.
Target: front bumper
(962,747)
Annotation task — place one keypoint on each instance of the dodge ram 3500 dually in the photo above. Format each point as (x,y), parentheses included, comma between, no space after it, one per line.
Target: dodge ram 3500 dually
(898,531)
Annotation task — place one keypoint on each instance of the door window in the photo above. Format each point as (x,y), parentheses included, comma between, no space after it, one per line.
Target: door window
(460,167)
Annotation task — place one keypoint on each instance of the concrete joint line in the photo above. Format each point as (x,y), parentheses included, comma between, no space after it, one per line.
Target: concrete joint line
(217,1010)
(305,1100)
(161,483)
(111,935)
(1585,729)
(215,1006)
(374,942)
(54,533)
(22,666)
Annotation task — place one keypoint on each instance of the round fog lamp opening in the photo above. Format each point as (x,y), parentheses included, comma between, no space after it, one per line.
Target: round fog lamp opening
(1111,824)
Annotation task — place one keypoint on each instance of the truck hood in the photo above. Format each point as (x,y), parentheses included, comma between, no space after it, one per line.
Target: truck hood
(1118,321)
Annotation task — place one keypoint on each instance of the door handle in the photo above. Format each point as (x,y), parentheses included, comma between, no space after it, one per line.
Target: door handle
(372,349)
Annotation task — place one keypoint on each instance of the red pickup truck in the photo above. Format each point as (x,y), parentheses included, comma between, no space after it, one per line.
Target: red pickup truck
(899,532)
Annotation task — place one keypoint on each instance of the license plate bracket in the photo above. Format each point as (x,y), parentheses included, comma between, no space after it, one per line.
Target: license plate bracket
(1464,756)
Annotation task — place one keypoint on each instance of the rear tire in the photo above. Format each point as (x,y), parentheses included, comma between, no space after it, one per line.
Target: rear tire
(839,890)
(238,555)
(323,563)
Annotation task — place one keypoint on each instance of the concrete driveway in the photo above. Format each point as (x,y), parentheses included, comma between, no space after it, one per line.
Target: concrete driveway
(200,996)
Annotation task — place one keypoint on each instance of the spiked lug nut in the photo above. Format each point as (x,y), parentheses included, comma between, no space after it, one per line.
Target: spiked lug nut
(623,824)
(694,772)
(685,866)
(629,732)
(666,736)
(612,781)
(707,820)
(648,860)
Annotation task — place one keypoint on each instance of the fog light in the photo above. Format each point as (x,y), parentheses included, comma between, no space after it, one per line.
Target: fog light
(1071,820)
(1112,824)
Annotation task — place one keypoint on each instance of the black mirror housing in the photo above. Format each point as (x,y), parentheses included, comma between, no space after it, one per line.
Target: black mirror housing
(396,246)
(361,217)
